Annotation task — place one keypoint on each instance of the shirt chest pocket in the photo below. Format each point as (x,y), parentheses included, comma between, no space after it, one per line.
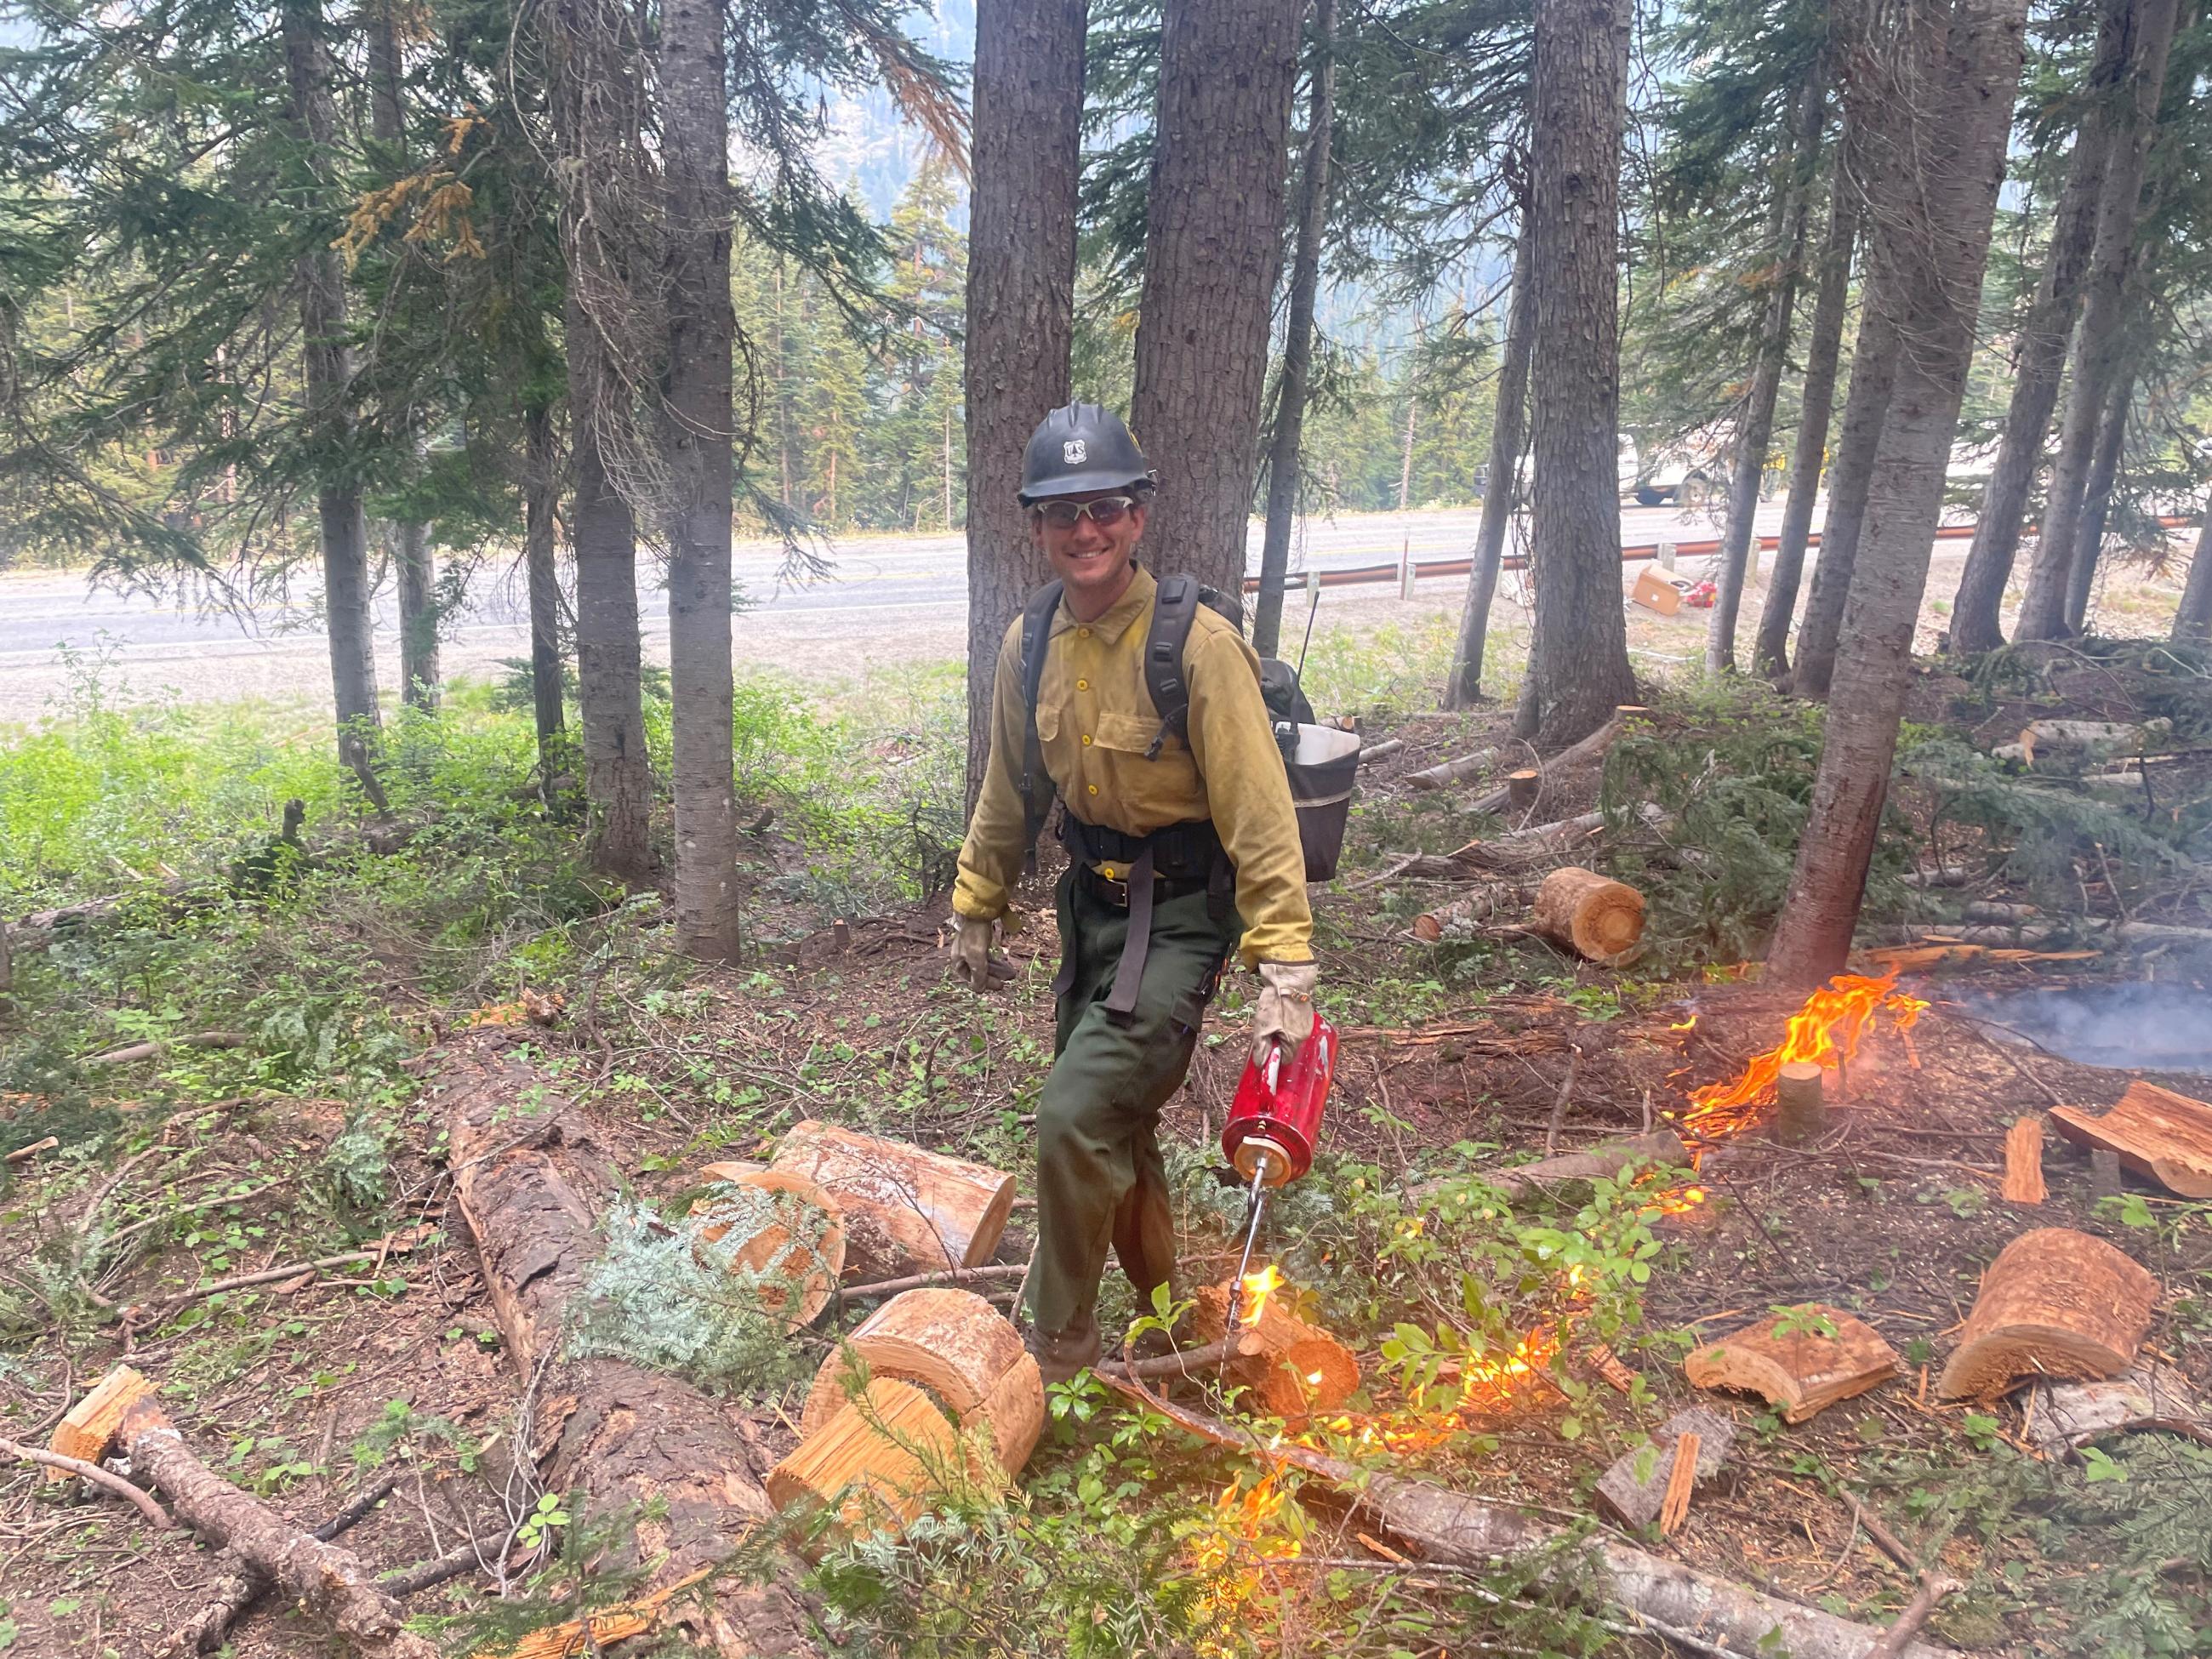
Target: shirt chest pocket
(1129,733)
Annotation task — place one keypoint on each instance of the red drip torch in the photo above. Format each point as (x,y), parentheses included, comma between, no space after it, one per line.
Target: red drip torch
(1274,1123)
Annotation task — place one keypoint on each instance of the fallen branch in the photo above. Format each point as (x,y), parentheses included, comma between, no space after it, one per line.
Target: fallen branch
(1453,771)
(1596,1163)
(138,1051)
(1449,1527)
(1591,748)
(1899,1637)
(92,1473)
(992,1273)
(232,1598)
(1381,750)
(32,1150)
(151,1313)
(1184,1362)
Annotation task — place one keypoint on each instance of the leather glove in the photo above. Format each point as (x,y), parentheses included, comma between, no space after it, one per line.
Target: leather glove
(973,964)
(1284,1013)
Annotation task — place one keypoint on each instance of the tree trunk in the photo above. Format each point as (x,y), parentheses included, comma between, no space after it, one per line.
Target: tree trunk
(1214,247)
(1771,653)
(1027,153)
(1873,370)
(328,365)
(1935,108)
(2192,621)
(1283,454)
(2097,502)
(541,490)
(1579,669)
(1500,493)
(1976,624)
(412,559)
(2100,339)
(1793,198)
(695,427)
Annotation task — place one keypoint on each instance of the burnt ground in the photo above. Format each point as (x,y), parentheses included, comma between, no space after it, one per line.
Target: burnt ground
(309,1390)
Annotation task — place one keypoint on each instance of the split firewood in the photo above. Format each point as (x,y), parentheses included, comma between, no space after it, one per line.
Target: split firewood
(906,1211)
(1606,1162)
(330,1582)
(528,1177)
(2023,1155)
(1596,918)
(2064,1415)
(794,1235)
(1446,1526)
(1299,1369)
(90,1426)
(1606,1363)
(1634,1491)
(1453,771)
(1803,1359)
(2055,1303)
(880,1459)
(957,1347)
(1675,1507)
(2156,1133)
(618,1623)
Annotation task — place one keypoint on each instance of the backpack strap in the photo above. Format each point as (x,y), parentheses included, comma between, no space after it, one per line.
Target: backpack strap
(1037,640)
(1174,609)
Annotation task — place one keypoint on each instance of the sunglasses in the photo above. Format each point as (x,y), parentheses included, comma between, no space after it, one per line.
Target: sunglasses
(1106,511)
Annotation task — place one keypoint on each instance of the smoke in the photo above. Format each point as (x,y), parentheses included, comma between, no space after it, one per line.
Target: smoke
(2149,1025)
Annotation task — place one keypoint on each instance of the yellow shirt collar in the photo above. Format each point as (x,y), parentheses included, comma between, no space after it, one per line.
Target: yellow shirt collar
(1115,623)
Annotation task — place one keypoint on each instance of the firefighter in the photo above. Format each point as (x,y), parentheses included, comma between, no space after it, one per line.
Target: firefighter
(1182,847)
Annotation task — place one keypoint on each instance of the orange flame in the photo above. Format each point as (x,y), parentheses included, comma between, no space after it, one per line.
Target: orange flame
(1257,1288)
(1824,1032)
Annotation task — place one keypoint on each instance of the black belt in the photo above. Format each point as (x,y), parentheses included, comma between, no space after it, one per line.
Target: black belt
(1192,853)
(1121,894)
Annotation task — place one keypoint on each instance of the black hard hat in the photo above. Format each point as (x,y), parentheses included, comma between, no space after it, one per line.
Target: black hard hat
(1079,447)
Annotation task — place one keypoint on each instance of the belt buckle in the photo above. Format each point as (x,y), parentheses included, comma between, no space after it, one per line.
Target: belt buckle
(1113,892)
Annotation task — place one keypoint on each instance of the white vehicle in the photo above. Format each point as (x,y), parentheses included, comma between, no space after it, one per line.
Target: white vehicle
(1672,477)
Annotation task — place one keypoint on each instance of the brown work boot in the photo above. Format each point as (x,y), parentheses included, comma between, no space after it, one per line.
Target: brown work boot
(1061,1354)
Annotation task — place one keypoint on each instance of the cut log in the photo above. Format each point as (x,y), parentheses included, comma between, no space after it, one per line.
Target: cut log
(957,1347)
(2055,1303)
(2156,1133)
(91,1425)
(879,1461)
(2064,1415)
(528,1175)
(794,1234)
(1607,1162)
(906,1211)
(1594,916)
(1787,1362)
(1801,1101)
(1453,771)
(618,1623)
(1634,1490)
(2023,1155)
(1375,751)
(1441,1525)
(1457,920)
(1298,1371)
(2056,741)
(328,1580)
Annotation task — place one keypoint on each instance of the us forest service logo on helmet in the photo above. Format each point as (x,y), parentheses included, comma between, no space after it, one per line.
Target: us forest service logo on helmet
(1075,452)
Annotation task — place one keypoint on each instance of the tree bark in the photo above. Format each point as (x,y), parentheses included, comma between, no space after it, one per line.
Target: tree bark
(1770,653)
(1283,454)
(328,367)
(1873,371)
(1578,670)
(1026,151)
(2100,339)
(1214,247)
(2192,621)
(695,440)
(1936,105)
(2097,502)
(1794,192)
(541,490)
(1501,492)
(1976,624)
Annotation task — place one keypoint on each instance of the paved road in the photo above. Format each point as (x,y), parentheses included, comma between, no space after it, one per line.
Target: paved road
(899,598)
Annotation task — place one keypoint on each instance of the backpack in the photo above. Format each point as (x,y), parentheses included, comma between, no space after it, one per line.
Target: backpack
(1174,612)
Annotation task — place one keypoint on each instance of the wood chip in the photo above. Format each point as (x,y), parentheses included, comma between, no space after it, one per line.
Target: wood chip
(2023,1176)
(1680,1480)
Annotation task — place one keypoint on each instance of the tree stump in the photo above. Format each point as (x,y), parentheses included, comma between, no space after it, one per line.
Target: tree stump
(1299,1369)
(880,1459)
(1522,789)
(2055,1303)
(1596,918)
(795,1234)
(1800,1102)
(2156,1133)
(906,1211)
(957,1347)
(91,1426)
(1788,1362)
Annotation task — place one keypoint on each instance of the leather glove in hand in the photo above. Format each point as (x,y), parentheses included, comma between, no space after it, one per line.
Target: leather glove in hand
(1284,1013)
(973,964)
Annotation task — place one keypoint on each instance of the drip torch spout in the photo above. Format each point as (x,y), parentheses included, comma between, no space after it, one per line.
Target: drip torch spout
(1256,1207)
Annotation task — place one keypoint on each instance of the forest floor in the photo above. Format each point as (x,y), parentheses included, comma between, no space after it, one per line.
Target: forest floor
(1474,1317)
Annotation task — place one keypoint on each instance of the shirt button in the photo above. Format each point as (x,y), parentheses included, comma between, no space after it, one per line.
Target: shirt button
(1083,685)
(1082,633)
(1086,740)
(1093,789)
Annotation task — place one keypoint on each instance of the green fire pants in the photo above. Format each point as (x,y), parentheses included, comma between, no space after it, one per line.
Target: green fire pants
(1100,1180)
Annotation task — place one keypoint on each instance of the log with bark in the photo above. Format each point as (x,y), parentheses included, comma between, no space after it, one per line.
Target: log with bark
(529,1176)
(1453,771)
(2055,1303)
(1447,1527)
(1299,1369)
(794,1236)
(2061,1416)
(1591,749)
(89,1427)
(1792,1363)
(2157,1133)
(1633,1491)
(1595,917)
(958,1348)
(1457,920)
(880,1459)
(907,1211)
